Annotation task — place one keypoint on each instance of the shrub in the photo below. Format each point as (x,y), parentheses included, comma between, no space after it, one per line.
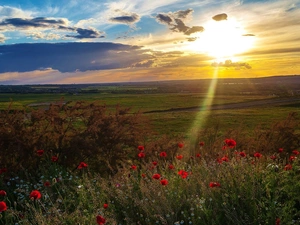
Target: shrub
(71,133)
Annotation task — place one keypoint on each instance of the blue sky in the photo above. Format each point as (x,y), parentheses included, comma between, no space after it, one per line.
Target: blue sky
(84,41)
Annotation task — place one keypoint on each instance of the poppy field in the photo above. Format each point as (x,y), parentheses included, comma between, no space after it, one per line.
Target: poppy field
(84,165)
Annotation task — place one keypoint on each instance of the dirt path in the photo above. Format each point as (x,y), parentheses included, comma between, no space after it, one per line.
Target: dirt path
(240,105)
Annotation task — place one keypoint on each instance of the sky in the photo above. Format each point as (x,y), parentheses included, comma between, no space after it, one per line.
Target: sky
(93,41)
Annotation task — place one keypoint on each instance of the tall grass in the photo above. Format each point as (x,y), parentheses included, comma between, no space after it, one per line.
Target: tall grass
(247,180)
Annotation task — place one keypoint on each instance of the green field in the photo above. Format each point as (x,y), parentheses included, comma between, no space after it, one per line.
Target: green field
(170,122)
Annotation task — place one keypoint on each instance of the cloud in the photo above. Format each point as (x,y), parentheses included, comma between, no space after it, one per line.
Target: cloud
(39,22)
(69,57)
(183,14)
(272,51)
(164,18)
(229,63)
(87,33)
(7,11)
(248,35)
(126,18)
(194,29)
(48,23)
(175,21)
(145,64)
(191,39)
(220,17)
(46,36)
(2,38)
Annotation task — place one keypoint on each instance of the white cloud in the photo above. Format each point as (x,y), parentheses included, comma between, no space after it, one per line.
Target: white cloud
(7,11)
(46,36)
(2,38)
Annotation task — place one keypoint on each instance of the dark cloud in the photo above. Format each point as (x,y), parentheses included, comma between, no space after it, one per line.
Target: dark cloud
(183,14)
(175,21)
(194,29)
(248,35)
(127,19)
(293,7)
(69,57)
(192,39)
(229,63)
(86,33)
(179,26)
(220,17)
(164,18)
(41,22)
(145,64)
(48,23)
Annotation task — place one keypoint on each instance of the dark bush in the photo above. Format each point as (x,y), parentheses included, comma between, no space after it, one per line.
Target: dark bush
(72,132)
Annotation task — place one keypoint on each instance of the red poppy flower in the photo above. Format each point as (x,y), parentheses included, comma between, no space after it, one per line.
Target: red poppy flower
(180,145)
(141,155)
(54,158)
(230,143)
(47,184)
(35,194)
(164,182)
(198,155)
(2,193)
(82,165)
(292,158)
(143,175)
(242,154)
(3,206)
(163,154)
(183,174)
(105,205)
(141,148)
(171,167)
(151,167)
(219,160)
(201,143)
(273,157)
(225,159)
(214,184)
(100,220)
(133,167)
(295,152)
(156,176)
(277,221)
(288,167)
(40,152)
(257,155)
(154,163)
(179,157)
(3,170)
(280,150)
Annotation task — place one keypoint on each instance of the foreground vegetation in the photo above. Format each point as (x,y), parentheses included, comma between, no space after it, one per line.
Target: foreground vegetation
(82,164)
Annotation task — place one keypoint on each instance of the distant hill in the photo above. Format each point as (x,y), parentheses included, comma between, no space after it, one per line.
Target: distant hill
(275,85)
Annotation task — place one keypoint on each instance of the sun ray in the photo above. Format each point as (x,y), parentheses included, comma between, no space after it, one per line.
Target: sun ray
(204,111)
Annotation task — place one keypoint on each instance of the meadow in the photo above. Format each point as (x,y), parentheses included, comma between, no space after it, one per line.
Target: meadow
(105,158)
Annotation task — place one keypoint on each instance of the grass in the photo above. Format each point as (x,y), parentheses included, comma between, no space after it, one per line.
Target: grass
(169,122)
(219,186)
(182,122)
(138,102)
(243,191)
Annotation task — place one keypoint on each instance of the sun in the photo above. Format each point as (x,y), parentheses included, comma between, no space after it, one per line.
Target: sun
(223,39)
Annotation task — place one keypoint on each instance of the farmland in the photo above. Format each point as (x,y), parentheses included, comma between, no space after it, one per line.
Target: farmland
(174,106)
